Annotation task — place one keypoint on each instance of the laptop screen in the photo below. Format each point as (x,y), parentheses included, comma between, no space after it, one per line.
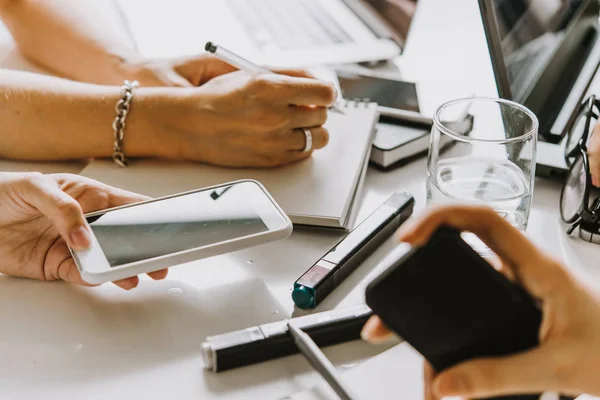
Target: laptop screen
(397,13)
(530,33)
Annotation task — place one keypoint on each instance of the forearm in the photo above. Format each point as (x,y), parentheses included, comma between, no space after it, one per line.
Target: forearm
(45,118)
(80,40)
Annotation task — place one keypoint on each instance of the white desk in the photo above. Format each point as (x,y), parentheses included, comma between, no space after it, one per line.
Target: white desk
(60,341)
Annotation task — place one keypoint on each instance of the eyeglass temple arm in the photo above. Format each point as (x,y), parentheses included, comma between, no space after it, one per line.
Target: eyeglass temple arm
(573,226)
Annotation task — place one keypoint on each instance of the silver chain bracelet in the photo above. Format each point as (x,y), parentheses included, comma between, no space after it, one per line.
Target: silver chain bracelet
(122,109)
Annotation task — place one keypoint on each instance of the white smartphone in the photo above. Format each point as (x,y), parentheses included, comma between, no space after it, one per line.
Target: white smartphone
(159,233)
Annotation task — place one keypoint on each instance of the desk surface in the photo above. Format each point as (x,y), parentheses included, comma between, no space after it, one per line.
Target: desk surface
(60,341)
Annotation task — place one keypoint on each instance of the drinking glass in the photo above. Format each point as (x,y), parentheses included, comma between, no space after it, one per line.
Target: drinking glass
(482,152)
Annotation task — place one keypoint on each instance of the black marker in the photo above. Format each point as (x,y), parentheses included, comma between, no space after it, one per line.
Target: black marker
(269,341)
(331,270)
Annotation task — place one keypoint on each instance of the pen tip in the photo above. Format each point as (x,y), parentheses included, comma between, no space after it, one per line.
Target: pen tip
(210,47)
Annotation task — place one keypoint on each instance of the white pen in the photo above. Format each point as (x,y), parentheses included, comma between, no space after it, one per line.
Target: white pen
(244,65)
(317,359)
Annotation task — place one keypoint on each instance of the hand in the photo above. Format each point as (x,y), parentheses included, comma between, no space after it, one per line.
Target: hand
(568,357)
(40,214)
(179,72)
(238,119)
(594,155)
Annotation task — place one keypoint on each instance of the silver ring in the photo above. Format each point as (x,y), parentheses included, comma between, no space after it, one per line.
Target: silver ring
(309,140)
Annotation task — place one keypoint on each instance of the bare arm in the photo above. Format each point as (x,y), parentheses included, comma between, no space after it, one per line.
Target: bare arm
(46,118)
(80,40)
(237,119)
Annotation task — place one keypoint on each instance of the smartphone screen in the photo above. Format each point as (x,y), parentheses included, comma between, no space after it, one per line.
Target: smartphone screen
(451,305)
(385,92)
(177,224)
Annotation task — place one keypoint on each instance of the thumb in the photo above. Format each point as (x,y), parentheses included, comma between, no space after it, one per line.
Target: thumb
(203,68)
(44,194)
(172,78)
(518,374)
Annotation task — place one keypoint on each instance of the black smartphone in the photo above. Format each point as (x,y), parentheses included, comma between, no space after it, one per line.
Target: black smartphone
(451,305)
(388,93)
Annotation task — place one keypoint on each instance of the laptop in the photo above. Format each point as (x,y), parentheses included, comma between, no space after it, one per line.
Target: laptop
(277,33)
(545,54)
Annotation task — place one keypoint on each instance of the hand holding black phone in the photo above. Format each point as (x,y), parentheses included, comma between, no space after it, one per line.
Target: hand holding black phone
(451,305)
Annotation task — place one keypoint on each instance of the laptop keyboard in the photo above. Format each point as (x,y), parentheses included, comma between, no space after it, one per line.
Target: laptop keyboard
(288,24)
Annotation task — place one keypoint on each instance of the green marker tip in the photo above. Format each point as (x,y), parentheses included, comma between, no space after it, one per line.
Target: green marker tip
(303,297)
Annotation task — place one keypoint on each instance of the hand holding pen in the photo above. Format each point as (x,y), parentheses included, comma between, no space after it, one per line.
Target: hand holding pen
(244,65)
(237,119)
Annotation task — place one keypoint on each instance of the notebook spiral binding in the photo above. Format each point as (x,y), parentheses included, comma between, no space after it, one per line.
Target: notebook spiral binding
(356,102)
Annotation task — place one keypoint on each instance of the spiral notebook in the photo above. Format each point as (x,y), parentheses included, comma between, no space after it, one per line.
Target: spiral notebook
(321,191)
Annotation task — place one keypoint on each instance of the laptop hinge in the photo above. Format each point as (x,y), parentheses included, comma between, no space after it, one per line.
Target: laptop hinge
(369,17)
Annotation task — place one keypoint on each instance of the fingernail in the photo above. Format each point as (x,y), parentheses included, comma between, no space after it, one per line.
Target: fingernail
(80,238)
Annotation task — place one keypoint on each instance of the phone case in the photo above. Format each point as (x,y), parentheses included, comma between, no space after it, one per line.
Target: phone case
(451,305)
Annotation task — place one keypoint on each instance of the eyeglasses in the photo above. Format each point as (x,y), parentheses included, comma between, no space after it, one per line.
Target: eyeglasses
(579,201)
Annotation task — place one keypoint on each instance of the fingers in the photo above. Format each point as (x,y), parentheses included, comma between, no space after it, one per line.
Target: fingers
(59,265)
(298,73)
(307,117)
(181,72)
(375,331)
(44,194)
(159,275)
(489,377)
(172,77)
(538,272)
(594,156)
(133,282)
(288,147)
(79,187)
(201,69)
(119,197)
(320,138)
(197,70)
(290,157)
(294,91)
(128,283)
(311,118)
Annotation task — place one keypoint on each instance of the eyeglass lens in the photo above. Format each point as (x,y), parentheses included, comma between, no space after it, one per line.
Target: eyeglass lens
(577,132)
(573,191)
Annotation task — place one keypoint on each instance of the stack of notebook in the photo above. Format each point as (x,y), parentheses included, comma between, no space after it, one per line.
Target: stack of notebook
(321,191)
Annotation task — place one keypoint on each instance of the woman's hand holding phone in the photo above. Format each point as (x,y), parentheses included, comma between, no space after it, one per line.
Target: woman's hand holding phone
(567,359)
(40,214)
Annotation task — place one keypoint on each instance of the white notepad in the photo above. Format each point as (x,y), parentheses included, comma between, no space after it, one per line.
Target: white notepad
(320,191)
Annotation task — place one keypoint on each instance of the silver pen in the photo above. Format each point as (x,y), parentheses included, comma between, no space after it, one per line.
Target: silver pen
(319,361)
(244,65)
